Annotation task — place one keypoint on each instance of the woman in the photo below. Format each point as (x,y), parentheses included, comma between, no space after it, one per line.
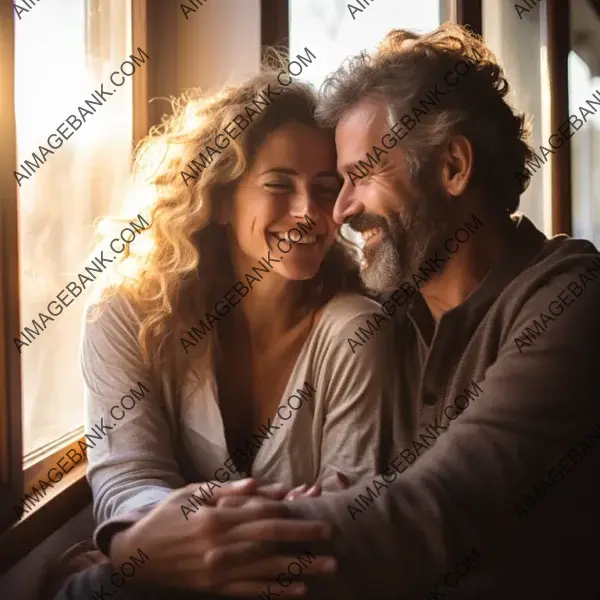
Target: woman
(233,333)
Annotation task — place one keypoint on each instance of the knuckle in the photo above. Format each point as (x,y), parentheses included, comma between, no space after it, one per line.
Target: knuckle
(213,558)
(207,569)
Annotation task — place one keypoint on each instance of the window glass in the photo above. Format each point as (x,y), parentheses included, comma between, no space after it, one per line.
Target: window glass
(334,32)
(584,96)
(65,51)
(517,37)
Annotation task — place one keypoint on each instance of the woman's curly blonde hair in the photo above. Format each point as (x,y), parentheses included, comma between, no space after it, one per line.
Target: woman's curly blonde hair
(181,264)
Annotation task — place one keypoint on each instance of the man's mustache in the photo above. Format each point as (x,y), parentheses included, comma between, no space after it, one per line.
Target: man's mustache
(365,221)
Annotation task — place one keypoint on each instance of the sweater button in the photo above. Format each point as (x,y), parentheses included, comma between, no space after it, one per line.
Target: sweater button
(429,398)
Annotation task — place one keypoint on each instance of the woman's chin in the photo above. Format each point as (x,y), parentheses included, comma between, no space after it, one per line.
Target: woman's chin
(299,272)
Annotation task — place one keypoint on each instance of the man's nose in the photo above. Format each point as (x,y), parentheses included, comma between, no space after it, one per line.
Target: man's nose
(346,204)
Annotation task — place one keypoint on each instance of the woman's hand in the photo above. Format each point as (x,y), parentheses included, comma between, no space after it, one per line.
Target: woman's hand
(219,549)
(304,491)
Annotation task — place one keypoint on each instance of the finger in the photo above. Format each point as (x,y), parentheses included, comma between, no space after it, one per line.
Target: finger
(292,496)
(248,560)
(244,560)
(314,491)
(240,487)
(297,492)
(232,555)
(271,567)
(261,588)
(255,509)
(274,491)
(279,530)
(233,501)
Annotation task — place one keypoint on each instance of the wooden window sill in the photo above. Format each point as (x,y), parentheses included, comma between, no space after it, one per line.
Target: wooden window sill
(67,498)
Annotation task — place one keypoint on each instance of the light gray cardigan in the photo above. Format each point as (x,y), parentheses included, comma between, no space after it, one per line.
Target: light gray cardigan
(170,437)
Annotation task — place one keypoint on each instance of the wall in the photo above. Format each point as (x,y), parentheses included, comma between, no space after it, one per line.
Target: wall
(23,580)
(218,43)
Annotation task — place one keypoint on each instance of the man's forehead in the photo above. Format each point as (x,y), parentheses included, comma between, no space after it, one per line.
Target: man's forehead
(366,119)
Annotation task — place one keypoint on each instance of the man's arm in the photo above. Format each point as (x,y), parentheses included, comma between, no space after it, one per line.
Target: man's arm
(460,495)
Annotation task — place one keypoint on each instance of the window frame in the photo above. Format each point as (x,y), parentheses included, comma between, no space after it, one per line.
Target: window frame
(470,14)
(558,19)
(275,24)
(72,493)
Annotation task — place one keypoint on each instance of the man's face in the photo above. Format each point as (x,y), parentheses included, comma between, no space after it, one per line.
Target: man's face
(401,220)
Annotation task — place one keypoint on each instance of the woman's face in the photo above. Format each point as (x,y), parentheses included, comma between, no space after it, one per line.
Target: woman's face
(293,181)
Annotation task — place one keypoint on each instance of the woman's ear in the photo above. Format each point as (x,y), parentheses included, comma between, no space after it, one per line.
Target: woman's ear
(221,209)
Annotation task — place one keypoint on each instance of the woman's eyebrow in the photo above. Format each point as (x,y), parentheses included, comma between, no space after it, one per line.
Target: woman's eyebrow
(281,170)
(290,171)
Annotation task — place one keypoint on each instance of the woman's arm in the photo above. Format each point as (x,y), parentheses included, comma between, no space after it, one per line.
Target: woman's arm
(360,386)
(131,460)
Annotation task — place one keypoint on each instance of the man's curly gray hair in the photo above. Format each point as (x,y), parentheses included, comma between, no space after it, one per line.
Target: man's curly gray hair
(405,67)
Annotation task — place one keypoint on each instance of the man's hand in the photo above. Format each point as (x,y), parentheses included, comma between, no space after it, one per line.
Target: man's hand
(220,549)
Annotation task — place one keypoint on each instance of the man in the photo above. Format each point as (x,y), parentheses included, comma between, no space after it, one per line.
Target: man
(491,489)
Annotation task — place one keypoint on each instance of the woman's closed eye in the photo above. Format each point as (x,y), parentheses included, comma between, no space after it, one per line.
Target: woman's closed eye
(279,186)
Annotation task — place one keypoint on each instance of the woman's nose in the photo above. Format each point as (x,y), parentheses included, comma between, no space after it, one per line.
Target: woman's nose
(305,204)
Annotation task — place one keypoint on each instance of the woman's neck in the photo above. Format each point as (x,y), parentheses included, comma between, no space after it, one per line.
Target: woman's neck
(271,311)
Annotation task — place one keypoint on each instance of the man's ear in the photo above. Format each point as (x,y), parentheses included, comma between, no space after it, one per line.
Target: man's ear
(457,165)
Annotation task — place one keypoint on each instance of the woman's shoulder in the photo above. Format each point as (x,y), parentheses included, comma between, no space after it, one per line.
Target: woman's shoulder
(346,312)
(114,315)
(348,305)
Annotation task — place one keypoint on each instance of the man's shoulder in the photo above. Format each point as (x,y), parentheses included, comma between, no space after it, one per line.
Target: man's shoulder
(555,297)
(561,261)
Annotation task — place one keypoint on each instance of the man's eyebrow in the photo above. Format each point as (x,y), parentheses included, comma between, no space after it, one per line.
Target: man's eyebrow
(343,169)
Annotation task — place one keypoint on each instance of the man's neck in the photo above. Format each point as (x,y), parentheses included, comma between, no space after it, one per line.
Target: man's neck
(467,267)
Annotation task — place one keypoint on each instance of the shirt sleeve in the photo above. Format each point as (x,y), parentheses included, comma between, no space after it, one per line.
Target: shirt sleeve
(537,402)
(360,386)
(131,462)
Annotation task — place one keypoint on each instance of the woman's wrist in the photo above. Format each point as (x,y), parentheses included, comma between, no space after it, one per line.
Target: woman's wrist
(120,546)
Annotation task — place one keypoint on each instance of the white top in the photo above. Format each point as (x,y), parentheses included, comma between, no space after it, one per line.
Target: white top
(338,426)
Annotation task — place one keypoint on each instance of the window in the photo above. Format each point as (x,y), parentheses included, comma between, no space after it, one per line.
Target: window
(334,32)
(83,179)
(71,72)
(584,86)
(519,42)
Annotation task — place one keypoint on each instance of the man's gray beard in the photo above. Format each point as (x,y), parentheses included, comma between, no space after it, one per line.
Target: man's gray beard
(383,272)
(405,246)
(387,269)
